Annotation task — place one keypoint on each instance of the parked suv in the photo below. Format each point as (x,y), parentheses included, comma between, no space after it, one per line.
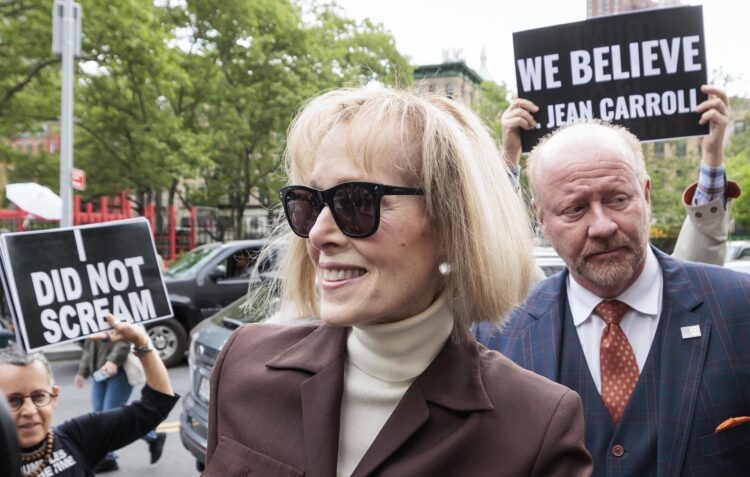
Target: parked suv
(207,340)
(203,281)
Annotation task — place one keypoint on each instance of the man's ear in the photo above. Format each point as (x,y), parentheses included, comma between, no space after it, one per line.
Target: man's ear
(647,191)
(537,212)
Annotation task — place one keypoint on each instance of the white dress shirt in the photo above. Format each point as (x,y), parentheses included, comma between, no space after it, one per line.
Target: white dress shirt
(639,323)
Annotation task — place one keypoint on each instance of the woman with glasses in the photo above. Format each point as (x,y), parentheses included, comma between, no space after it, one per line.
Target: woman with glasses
(403,230)
(73,448)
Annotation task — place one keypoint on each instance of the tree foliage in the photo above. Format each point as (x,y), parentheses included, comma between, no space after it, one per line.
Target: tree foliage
(270,56)
(133,118)
(738,169)
(670,175)
(493,100)
(198,91)
(29,88)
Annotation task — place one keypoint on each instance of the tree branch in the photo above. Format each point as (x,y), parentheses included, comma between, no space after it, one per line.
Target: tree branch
(22,84)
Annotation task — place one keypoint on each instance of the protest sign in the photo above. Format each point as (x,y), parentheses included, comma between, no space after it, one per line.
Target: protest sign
(63,282)
(642,70)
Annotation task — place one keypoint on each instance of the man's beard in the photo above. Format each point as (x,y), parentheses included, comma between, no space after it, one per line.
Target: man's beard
(610,272)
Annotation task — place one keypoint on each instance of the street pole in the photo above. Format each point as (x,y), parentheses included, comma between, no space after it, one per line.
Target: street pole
(66,116)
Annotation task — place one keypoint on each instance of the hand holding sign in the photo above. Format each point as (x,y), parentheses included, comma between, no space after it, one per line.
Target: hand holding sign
(518,116)
(124,331)
(715,110)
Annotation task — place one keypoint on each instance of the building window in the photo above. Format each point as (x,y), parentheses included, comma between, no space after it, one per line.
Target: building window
(681,149)
(659,149)
(449,90)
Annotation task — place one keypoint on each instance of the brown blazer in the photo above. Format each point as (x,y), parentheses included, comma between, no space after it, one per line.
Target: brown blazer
(276,395)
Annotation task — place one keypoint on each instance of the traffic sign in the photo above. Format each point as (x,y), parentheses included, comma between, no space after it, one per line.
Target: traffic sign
(78,179)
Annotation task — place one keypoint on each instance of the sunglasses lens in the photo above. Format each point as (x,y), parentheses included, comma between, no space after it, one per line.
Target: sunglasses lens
(355,210)
(302,209)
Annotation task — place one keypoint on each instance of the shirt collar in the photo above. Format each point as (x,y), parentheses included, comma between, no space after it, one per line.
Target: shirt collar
(643,295)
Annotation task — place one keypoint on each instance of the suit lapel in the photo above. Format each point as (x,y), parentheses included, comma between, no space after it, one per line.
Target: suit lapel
(538,344)
(321,353)
(681,364)
(453,381)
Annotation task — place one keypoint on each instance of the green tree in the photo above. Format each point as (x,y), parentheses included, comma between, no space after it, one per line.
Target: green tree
(493,100)
(29,87)
(134,120)
(670,176)
(271,56)
(738,165)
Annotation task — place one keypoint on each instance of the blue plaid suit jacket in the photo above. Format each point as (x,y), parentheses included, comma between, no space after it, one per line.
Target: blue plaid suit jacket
(701,381)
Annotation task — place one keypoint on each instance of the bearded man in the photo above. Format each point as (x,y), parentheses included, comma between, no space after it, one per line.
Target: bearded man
(656,347)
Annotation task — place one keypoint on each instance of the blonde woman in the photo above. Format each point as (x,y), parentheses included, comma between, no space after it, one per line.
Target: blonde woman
(403,230)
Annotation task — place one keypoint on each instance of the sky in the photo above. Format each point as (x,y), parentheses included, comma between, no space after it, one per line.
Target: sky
(424,28)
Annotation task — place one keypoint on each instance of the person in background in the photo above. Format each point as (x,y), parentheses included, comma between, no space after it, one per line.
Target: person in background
(103,361)
(10,464)
(404,229)
(73,448)
(656,347)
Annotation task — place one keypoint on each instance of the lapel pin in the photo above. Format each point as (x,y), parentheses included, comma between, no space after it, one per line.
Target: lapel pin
(690,332)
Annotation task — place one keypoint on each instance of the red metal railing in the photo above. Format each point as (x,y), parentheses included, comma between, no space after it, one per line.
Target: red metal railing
(168,244)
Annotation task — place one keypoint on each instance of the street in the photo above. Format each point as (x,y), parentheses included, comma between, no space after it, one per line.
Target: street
(133,459)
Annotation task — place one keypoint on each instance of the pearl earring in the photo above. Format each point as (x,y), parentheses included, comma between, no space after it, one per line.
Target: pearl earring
(444,268)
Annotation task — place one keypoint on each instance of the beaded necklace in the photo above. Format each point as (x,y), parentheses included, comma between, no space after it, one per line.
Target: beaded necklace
(45,453)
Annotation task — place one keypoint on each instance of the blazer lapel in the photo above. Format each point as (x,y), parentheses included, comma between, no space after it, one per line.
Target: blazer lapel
(681,364)
(538,345)
(321,353)
(453,380)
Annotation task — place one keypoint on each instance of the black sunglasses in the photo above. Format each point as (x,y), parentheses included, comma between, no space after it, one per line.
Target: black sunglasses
(355,206)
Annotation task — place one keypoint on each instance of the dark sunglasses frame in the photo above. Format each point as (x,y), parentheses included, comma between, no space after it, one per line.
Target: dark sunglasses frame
(325,197)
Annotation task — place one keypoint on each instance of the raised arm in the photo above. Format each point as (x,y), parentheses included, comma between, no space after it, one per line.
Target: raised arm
(519,115)
(157,377)
(704,233)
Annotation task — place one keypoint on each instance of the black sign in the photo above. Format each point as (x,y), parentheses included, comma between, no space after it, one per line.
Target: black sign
(63,282)
(641,70)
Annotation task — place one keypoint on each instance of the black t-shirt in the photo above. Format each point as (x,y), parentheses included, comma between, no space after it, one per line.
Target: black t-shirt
(82,442)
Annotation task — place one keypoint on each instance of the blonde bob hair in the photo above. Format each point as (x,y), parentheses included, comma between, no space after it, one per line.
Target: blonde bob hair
(483,228)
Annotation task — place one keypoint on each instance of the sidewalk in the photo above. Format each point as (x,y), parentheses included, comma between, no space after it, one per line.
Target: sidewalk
(63,352)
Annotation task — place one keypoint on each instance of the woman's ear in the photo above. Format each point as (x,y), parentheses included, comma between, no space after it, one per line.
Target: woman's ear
(56,393)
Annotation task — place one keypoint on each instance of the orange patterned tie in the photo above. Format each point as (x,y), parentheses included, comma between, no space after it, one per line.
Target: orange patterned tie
(619,370)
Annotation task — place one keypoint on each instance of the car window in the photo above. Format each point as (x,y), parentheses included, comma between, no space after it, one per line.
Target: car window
(238,312)
(192,261)
(240,264)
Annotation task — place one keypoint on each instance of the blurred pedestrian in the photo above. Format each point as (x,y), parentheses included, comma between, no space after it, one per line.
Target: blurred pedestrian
(408,230)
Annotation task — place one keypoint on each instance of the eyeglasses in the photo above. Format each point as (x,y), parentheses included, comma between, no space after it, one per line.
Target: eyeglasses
(38,399)
(355,206)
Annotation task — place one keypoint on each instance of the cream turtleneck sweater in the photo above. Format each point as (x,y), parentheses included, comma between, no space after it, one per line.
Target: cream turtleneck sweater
(382,361)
